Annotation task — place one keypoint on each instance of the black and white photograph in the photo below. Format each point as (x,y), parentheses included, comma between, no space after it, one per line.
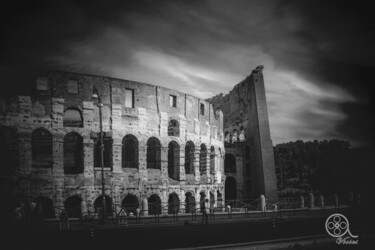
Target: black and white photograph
(187,124)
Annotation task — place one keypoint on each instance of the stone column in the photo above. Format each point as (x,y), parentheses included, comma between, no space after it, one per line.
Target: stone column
(88,159)
(208,164)
(145,206)
(142,156)
(117,154)
(182,177)
(164,162)
(196,163)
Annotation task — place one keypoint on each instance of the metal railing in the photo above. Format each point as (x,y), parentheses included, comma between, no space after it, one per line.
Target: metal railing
(159,212)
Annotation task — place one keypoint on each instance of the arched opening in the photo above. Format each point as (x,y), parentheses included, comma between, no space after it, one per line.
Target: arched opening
(173,128)
(73,206)
(234,136)
(73,154)
(189,157)
(173,203)
(73,118)
(44,207)
(203,159)
(130,152)
(130,203)
(230,163)
(153,153)
(173,160)
(219,199)
(212,200)
(212,160)
(227,140)
(98,205)
(190,202)
(9,150)
(230,189)
(154,204)
(41,143)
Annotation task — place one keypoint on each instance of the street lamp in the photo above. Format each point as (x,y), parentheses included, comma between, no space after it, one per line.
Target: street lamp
(95,95)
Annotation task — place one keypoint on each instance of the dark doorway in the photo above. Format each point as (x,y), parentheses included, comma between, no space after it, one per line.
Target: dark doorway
(173,203)
(98,204)
(230,189)
(190,202)
(154,204)
(130,203)
(73,206)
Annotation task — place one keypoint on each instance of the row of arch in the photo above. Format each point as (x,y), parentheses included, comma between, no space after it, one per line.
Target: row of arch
(73,118)
(73,204)
(234,136)
(42,153)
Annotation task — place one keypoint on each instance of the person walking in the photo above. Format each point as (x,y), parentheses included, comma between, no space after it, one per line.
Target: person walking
(204,204)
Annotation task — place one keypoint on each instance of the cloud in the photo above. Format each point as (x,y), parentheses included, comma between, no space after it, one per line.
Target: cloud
(318,65)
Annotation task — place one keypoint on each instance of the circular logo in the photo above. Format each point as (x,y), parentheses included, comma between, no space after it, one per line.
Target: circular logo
(337,225)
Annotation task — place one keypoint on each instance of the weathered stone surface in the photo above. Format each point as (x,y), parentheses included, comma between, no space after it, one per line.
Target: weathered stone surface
(149,117)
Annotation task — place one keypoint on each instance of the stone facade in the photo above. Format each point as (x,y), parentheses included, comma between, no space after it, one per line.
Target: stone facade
(249,160)
(36,104)
(161,146)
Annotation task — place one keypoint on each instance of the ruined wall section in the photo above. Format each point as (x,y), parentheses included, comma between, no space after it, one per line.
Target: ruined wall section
(247,136)
(149,117)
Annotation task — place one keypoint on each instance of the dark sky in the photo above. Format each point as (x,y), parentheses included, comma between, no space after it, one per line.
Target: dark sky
(319,56)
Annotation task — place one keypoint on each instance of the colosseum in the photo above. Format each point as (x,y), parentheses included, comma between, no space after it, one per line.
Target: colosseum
(163,150)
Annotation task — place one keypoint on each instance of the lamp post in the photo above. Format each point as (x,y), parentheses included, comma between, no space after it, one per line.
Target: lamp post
(95,95)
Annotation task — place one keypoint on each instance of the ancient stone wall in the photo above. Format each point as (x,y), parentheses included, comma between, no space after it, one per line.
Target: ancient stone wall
(26,106)
(247,137)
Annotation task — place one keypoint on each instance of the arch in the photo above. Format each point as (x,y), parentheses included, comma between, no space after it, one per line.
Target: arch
(130,203)
(173,203)
(73,118)
(9,150)
(212,160)
(173,128)
(130,149)
(73,153)
(212,199)
(98,204)
(219,199)
(190,202)
(229,163)
(203,159)
(234,136)
(41,143)
(44,207)
(227,140)
(153,153)
(173,160)
(73,206)
(189,157)
(154,204)
(230,189)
